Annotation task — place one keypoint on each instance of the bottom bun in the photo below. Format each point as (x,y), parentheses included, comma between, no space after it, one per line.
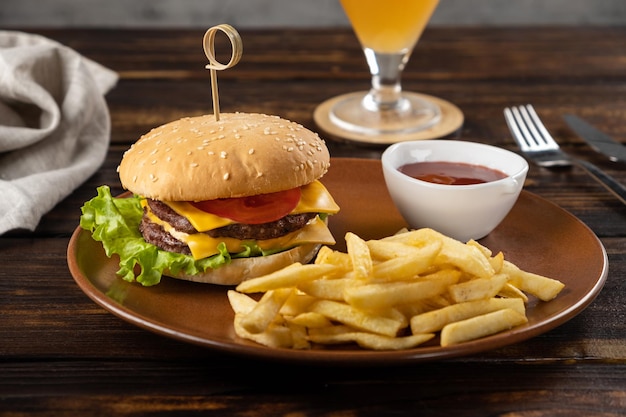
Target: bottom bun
(239,270)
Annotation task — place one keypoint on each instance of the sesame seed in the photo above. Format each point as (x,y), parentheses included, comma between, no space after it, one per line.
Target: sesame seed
(226,176)
(250,151)
(194,165)
(223,155)
(153,178)
(153,162)
(134,178)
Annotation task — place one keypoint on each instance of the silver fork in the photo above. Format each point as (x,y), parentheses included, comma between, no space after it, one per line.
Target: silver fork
(533,138)
(539,146)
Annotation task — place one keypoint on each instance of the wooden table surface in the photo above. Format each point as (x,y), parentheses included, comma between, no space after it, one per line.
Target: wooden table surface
(61,354)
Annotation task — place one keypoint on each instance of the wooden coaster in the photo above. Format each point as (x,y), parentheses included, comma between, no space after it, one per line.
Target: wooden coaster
(451,120)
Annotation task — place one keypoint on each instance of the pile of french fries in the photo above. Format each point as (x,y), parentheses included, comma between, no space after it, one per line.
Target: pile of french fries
(389,294)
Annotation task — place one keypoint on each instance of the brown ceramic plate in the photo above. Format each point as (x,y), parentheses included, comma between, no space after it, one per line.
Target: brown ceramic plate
(537,235)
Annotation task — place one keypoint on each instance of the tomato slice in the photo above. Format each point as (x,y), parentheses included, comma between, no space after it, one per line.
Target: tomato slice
(257,209)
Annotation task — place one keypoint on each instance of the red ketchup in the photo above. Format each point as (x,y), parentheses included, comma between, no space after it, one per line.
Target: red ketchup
(451,173)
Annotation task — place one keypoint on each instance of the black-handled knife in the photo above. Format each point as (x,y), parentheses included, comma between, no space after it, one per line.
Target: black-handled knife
(598,140)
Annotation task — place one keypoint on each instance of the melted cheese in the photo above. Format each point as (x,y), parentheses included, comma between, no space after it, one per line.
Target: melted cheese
(200,220)
(315,198)
(203,245)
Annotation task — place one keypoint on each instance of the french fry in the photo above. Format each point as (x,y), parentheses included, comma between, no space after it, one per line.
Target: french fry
(382,250)
(275,336)
(310,320)
(286,277)
(481,326)
(381,296)
(373,341)
(468,259)
(541,287)
(337,329)
(423,306)
(264,312)
(408,266)
(359,255)
(497,262)
(435,320)
(485,250)
(417,237)
(272,336)
(396,314)
(329,289)
(511,291)
(478,289)
(328,256)
(359,319)
(299,336)
(297,303)
(240,303)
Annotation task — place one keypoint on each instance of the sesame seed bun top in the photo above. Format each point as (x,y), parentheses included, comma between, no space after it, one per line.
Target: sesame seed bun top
(242,154)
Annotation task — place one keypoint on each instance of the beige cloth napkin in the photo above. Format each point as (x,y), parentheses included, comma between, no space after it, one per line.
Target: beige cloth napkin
(54,125)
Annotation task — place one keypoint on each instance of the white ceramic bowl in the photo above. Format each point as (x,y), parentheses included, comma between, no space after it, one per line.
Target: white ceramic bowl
(463,212)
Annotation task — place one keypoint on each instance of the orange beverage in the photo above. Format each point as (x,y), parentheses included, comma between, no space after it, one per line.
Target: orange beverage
(389,26)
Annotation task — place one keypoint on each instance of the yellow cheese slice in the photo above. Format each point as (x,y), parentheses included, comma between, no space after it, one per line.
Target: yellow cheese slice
(315,198)
(200,220)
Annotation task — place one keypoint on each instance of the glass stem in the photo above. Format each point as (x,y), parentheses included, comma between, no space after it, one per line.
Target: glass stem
(386,70)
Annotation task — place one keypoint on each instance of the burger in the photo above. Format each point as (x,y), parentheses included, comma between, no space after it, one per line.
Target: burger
(216,201)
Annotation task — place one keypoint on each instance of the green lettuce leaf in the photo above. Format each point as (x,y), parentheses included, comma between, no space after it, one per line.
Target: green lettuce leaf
(115,223)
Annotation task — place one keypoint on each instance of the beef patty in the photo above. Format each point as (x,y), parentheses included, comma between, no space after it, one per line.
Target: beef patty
(156,235)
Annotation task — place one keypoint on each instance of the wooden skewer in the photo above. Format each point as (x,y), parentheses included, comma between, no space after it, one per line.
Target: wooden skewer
(214,65)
